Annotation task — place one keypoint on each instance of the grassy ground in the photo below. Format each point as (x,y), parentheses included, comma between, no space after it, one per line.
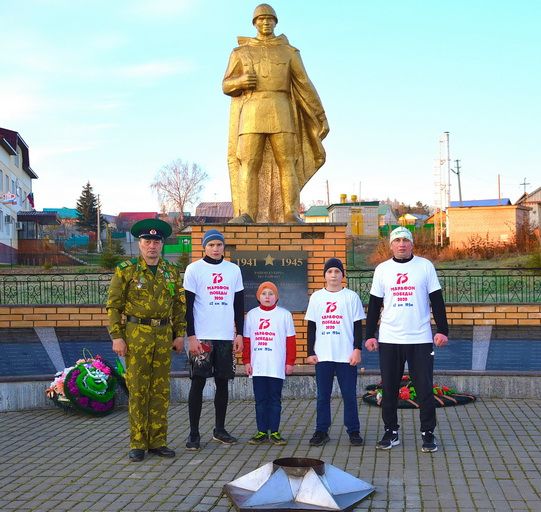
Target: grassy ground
(518,261)
(359,257)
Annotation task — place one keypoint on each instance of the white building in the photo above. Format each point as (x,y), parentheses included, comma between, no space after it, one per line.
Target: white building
(533,201)
(16,177)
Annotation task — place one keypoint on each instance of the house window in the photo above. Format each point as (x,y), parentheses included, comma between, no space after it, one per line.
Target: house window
(17,158)
(7,184)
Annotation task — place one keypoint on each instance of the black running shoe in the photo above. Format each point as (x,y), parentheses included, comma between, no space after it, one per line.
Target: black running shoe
(355,439)
(319,438)
(194,442)
(389,439)
(429,442)
(223,437)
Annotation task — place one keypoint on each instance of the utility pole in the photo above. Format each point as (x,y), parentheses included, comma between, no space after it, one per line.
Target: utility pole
(448,159)
(523,184)
(457,172)
(98,228)
(328,196)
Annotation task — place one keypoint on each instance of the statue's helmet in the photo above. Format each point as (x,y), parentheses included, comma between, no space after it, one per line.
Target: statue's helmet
(264,10)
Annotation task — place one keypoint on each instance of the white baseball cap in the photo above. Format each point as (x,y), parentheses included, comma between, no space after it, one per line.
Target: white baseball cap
(401,232)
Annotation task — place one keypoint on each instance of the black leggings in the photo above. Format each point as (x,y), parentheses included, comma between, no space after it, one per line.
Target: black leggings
(195,402)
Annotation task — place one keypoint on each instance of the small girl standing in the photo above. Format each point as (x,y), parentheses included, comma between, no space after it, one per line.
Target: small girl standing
(268,355)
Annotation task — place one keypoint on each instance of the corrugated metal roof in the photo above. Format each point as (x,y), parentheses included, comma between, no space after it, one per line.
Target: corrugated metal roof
(504,201)
(135,216)
(63,213)
(215,209)
(317,211)
(43,218)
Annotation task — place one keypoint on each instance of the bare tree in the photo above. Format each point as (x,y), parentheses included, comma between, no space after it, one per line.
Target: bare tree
(177,185)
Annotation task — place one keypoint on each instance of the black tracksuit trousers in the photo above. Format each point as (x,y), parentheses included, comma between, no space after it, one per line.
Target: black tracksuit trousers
(420,358)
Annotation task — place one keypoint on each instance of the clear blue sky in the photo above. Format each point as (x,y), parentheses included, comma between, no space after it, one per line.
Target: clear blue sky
(108,91)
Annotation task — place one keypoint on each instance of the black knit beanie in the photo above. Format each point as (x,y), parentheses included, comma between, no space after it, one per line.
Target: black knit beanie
(333,263)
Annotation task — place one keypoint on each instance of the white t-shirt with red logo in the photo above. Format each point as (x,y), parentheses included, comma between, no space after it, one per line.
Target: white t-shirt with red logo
(268,331)
(214,287)
(334,314)
(406,306)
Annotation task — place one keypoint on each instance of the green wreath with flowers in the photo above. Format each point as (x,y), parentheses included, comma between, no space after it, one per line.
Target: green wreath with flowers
(88,386)
(444,396)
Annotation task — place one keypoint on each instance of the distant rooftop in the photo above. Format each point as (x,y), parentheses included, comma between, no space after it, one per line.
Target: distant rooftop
(358,203)
(317,211)
(9,140)
(125,220)
(504,201)
(63,213)
(42,218)
(215,209)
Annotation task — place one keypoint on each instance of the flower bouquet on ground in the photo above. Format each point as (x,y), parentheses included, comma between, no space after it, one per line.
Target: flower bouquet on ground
(443,395)
(89,386)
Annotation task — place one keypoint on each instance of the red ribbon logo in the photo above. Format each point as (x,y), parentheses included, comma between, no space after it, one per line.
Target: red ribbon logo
(402,278)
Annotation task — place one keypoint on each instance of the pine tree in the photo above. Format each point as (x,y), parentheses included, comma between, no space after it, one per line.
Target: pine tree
(87,210)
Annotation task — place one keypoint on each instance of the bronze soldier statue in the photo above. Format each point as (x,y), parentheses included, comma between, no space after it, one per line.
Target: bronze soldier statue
(276,125)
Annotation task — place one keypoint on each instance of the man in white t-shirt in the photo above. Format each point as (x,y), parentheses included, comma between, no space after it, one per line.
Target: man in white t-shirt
(406,286)
(334,317)
(214,326)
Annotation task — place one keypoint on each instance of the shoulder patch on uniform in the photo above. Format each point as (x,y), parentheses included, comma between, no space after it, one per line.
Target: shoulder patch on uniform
(127,263)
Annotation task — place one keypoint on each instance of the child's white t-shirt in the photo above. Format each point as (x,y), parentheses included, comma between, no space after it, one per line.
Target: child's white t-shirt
(268,331)
(214,287)
(334,314)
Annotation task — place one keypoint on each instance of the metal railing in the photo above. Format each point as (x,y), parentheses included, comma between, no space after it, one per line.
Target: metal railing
(472,286)
(460,286)
(50,289)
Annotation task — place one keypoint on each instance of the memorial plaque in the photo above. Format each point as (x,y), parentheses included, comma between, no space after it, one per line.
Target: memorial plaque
(288,270)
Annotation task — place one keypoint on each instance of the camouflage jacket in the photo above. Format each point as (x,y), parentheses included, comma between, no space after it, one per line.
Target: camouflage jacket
(136,291)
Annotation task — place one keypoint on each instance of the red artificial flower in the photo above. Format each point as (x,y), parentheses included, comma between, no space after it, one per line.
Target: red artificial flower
(404,393)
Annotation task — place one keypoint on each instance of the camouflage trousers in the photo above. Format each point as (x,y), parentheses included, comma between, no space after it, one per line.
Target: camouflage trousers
(148,367)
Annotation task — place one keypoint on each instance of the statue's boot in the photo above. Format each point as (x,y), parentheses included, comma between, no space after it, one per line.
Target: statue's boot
(292,218)
(243,218)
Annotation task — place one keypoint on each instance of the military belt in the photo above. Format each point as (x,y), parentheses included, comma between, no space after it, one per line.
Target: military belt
(154,322)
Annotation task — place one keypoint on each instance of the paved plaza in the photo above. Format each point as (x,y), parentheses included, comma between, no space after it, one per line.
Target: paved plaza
(489,459)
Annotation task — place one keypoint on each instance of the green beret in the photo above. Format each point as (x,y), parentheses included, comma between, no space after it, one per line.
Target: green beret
(151,229)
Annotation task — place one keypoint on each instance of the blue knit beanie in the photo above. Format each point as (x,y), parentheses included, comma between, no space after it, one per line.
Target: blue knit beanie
(212,234)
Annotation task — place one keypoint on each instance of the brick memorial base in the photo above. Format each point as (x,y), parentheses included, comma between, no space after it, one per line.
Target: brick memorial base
(320,240)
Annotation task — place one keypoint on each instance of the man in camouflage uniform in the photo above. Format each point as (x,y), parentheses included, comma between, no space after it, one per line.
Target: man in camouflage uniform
(146,309)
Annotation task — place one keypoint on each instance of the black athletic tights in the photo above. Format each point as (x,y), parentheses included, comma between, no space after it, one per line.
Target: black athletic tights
(195,402)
